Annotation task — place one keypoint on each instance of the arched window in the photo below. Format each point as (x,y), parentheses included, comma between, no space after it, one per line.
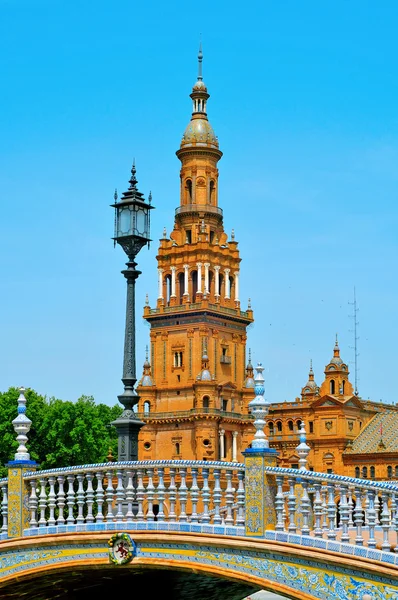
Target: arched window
(188,191)
(181,286)
(211,277)
(206,401)
(298,424)
(332,386)
(271,428)
(178,359)
(279,426)
(290,425)
(343,385)
(389,471)
(372,472)
(194,275)
(396,470)
(357,472)
(212,199)
(364,472)
(147,407)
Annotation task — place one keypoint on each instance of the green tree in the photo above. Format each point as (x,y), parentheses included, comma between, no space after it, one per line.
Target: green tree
(63,433)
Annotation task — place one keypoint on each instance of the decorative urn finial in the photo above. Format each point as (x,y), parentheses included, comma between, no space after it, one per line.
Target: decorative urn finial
(22,426)
(259,408)
(303,449)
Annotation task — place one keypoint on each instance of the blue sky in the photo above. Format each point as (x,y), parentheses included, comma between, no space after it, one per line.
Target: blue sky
(304,103)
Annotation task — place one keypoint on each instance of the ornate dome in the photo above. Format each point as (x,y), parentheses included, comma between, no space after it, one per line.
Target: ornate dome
(336,360)
(311,386)
(199,131)
(199,86)
(147,380)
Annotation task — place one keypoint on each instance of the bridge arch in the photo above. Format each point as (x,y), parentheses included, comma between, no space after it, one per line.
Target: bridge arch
(234,564)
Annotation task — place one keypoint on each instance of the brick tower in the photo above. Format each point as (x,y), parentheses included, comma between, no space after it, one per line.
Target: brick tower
(196,386)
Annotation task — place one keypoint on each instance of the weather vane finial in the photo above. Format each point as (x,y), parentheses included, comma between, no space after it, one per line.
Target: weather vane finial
(200,58)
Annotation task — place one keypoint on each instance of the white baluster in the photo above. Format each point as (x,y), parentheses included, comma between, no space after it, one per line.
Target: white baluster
(171,492)
(240,499)
(61,500)
(160,495)
(279,504)
(344,513)
(194,493)
(217,497)
(305,508)
(33,503)
(129,495)
(350,507)
(51,501)
(371,518)
(43,502)
(385,520)
(119,495)
(292,505)
(150,491)
(109,491)
(99,496)
(183,494)
(318,510)
(331,508)
(358,517)
(140,494)
(205,495)
(80,498)
(89,497)
(70,499)
(229,499)
(4,508)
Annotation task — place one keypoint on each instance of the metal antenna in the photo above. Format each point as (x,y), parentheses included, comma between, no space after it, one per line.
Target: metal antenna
(356,338)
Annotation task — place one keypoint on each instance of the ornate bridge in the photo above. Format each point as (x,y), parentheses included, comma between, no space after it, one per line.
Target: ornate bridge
(196,529)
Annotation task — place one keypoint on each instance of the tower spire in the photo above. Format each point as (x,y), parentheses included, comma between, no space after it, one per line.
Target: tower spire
(200,59)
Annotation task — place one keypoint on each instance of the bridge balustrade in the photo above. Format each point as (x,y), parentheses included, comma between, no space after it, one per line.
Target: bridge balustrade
(161,491)
(322,506)
(334,507)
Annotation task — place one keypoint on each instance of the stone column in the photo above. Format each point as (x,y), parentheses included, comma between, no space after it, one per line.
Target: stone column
(173,282)
(199,267)
(186,273)
(237,286)
(207,265)
(217,282)
(260,486)
(234,446)
(221,433)
(227,284)
(160,284)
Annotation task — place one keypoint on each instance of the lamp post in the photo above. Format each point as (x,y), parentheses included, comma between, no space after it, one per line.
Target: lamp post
(132,224)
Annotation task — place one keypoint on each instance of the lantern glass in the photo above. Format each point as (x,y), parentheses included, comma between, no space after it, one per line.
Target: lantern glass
(141,222)
(124,222)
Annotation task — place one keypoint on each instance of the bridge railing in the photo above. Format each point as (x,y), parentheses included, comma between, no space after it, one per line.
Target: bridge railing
(353,511)
(179,491)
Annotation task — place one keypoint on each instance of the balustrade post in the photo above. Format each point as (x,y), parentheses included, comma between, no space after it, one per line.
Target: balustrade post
(260,486)
(385,520)
(318,509)
(18,488)
(371,518)
(344,513)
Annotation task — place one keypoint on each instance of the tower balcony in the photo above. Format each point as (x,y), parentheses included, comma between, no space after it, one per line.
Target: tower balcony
(203,306)
(199,208)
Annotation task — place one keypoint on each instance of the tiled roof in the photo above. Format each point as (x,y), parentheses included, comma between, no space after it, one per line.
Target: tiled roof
(383,426)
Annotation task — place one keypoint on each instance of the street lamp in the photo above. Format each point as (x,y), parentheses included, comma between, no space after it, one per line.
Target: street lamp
(132,224)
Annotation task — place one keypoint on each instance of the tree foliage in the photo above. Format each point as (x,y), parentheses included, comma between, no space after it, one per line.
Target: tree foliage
(63,433)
